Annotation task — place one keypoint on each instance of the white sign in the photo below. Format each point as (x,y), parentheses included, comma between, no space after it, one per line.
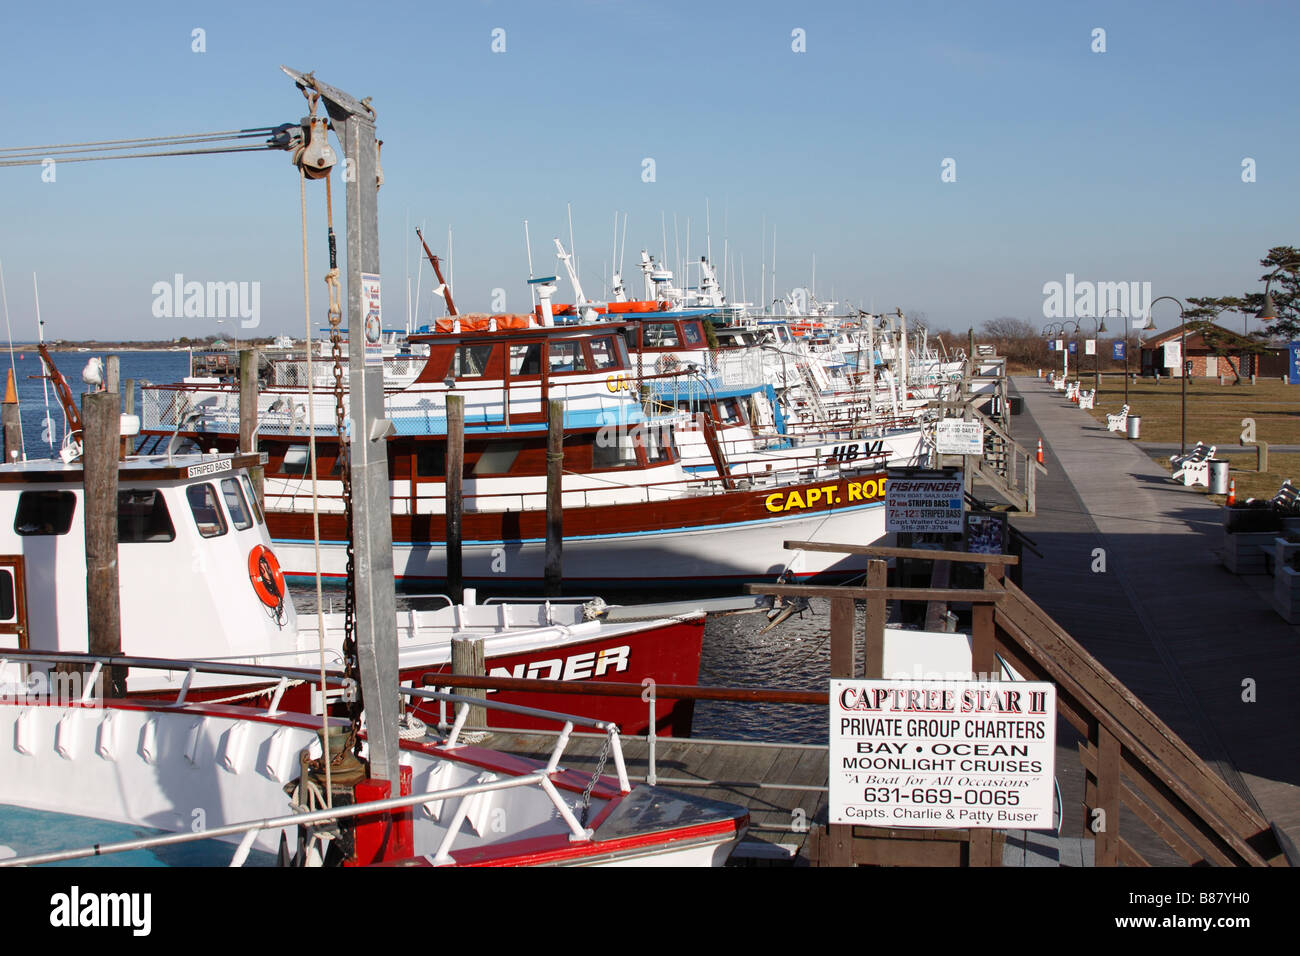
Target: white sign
(1173,354)
(208,468)
(1089,346)
(956,437)
(943,754)
(928,505)
(372,324)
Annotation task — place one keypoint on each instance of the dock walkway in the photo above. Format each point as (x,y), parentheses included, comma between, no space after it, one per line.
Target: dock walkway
(1164,616)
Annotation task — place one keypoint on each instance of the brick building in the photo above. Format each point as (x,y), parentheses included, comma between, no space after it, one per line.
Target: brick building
(1206,362)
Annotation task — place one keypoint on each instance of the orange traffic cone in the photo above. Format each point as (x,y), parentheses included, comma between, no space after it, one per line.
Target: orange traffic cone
(1040,451)
(11,393)
(1232,491)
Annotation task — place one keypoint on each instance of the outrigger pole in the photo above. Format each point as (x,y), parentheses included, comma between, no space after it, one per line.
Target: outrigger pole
(376,606)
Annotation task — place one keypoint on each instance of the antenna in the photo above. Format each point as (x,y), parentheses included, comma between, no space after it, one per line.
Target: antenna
(532,293)
(45,381)
(22,441)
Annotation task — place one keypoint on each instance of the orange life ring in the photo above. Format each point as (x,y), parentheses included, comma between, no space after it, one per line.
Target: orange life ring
(264,572)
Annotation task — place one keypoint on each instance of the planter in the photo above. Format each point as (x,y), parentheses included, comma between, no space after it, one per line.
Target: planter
(1246,553)
(1286,593)
(1240,519)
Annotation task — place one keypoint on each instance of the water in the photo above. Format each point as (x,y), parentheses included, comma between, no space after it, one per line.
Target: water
(794,656)
(142,366)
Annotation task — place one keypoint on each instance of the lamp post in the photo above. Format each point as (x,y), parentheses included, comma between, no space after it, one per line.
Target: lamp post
(1127,323)
(1099,326)
(1049,331)
(1182,357)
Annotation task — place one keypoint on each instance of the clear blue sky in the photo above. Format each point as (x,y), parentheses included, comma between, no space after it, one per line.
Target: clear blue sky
(1115,166)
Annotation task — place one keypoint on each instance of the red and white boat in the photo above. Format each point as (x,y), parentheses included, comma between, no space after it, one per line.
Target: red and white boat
(191,539)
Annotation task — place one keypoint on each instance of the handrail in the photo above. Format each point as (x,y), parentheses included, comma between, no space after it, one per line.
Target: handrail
(761,695)
(881,551)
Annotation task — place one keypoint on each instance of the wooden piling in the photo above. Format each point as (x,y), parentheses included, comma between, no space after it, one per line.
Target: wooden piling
(468,658)
(455,498)
(248,415)
(554,574)
(101,421)
(12,422)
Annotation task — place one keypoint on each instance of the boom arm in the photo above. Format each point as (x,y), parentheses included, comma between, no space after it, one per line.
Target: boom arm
(451,306)
(61,389)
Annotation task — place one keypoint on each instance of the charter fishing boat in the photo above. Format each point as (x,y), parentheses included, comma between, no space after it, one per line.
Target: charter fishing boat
(193,547)
(633,516)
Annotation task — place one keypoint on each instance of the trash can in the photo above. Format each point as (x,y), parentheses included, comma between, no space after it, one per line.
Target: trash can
(1135,426)
(1218,476)
(1016,404)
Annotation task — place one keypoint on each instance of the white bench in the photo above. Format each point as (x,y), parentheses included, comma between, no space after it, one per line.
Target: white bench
(1072,391)
(1117,423)
(1058,384)
(1086,398)
(1194,468)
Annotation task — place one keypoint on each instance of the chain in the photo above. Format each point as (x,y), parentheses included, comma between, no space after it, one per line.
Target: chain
(351,667)
(591,784)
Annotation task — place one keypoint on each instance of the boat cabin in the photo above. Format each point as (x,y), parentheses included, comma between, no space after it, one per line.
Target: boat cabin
(197,576)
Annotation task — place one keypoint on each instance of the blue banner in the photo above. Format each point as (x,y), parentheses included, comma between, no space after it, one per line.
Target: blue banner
(1293,368)
(1073,347)
(1117,351)
(1051,345)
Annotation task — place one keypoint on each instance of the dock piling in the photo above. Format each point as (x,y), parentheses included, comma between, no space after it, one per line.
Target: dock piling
(554,574)
(455,498)
(101,422)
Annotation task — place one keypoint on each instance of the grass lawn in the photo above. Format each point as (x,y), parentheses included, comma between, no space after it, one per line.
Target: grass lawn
(1214,411)
(1214,415)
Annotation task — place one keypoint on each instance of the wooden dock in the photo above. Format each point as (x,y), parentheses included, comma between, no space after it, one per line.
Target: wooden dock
(1186,636)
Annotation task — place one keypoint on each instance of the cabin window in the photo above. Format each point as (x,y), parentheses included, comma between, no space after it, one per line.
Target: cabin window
(296,462)
(207,513)
(729,412)
(252,499)
(526,359)
(142,517)
(7,609)
(44,512)
(615,448)
(692,333)
(235,504)
(659,444)
(431,462)
(603,353)
(661,335)
(471,361)
(498,458)
(567,357)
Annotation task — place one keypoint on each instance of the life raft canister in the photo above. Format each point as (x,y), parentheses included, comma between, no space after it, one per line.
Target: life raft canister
(264,572)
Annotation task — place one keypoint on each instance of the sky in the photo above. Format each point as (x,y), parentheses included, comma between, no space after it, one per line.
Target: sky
(948,159)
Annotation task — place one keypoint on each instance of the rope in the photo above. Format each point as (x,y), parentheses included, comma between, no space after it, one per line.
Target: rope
(177,152)
(315,501)
(251,694)
(116,143)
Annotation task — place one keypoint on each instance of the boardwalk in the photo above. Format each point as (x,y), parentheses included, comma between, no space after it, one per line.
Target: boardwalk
(1164,616)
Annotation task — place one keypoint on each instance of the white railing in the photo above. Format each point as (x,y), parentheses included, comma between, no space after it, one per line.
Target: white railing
(250,828)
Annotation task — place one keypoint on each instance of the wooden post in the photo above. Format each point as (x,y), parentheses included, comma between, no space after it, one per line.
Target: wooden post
(873,655)
(101,422)
(455,501)
(248,414)
(467,659)
(113,385)
(554,573)
(1261,456)
(843,613)
(12,421)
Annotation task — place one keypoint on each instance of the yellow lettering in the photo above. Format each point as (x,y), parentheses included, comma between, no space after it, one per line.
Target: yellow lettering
(855,491)
(611,383)
(869,489)
(828,493)
(794,501)
(814,496)
(773,502)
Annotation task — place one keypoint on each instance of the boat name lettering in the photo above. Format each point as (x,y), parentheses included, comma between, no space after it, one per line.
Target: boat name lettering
(856,450)
(869,489)
(618,383)
(208,468)
(574,667)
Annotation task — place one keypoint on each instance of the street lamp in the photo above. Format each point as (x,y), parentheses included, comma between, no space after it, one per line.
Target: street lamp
(1182,357)
(1123,315)
(1099,326)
